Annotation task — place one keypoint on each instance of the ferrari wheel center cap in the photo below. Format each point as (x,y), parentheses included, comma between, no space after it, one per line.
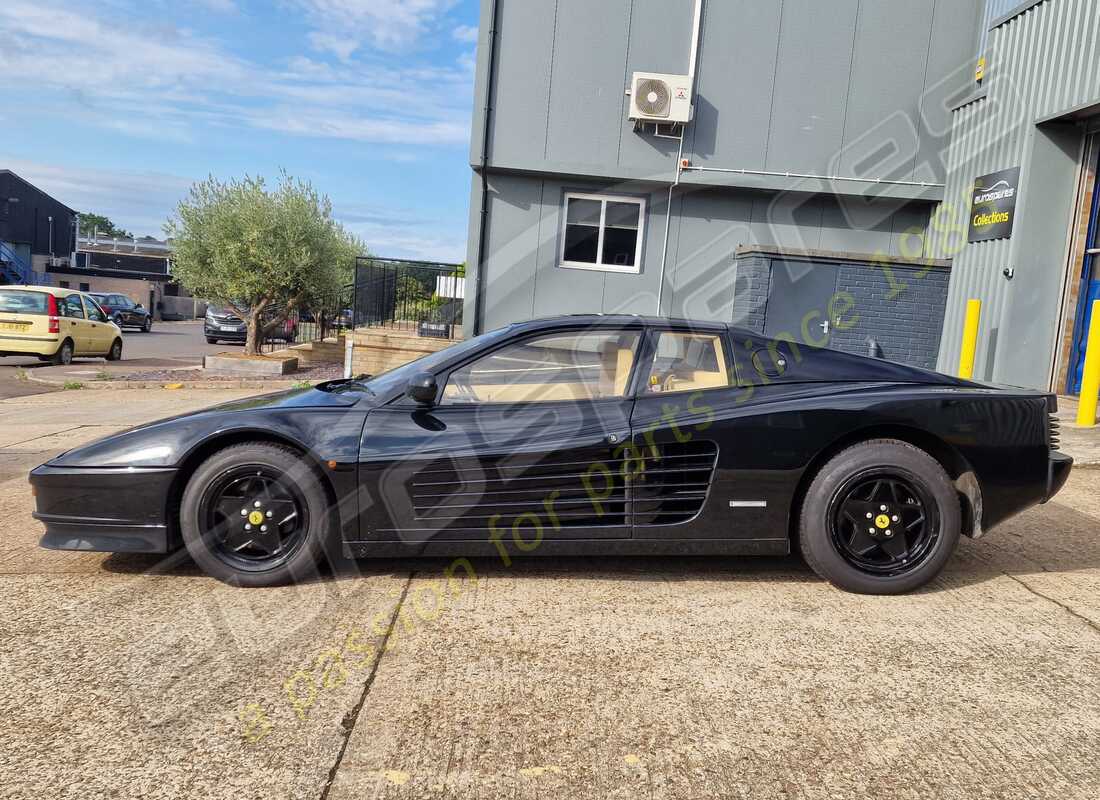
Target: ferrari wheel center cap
(256,517)
(882,521)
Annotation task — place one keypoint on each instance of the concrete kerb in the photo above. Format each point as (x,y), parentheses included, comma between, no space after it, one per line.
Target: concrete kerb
(272,385)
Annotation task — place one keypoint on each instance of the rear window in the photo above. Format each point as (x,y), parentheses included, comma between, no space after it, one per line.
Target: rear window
(22,302)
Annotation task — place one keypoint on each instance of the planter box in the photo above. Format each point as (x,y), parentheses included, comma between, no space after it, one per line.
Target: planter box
(250,365)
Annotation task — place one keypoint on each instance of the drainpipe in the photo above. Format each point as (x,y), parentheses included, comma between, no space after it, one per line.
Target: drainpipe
(693,63)
(479,295)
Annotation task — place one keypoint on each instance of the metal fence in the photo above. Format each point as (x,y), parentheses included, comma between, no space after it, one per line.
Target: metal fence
(323,317)
(419,297)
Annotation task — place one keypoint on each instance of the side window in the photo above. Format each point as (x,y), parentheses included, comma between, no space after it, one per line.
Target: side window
(562,366)
(687,362)
(71,307)
(121,302)
(94,312)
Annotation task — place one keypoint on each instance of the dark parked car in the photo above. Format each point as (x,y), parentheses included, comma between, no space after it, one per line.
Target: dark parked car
(586,435)
(223,324)
(124,312)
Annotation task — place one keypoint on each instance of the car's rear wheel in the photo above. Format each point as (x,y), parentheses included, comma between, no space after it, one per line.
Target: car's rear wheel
(256,514)
(115,353)
(881,517)
(64,354)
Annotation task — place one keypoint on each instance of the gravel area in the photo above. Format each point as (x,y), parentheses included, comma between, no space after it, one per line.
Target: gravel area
(314,374)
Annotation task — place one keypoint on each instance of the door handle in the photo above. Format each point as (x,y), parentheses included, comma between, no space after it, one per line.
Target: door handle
(825,326)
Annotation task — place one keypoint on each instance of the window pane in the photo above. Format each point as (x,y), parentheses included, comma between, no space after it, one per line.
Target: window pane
(94,311)
(72,307)
(561,367)
(581,243)
(620,246)
(688,362)
(623,215)
(583,212)
(14,301)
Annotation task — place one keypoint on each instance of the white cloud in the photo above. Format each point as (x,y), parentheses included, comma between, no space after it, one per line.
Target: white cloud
(384,24)
(136,200)
(159,82)
(465,33)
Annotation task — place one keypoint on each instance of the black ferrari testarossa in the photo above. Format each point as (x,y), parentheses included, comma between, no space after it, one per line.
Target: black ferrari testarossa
(585,435)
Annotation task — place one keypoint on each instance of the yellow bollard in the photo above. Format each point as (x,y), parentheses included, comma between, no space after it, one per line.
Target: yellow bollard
(970,339)
(1090,382)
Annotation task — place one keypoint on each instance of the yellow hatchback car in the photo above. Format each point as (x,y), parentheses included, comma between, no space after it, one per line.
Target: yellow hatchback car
(56,325)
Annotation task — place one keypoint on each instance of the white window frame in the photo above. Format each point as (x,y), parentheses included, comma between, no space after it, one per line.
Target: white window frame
(603,199)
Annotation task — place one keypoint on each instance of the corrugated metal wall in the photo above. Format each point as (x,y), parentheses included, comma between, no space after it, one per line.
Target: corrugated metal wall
(1042,63)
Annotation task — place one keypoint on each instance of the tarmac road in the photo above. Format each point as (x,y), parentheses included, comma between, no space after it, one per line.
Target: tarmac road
(169,345)
(617,678)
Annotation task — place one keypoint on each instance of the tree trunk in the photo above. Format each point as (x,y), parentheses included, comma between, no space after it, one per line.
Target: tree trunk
(254,328)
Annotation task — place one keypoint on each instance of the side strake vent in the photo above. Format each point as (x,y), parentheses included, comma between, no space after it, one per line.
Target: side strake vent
(669,482)
(648,485)
(1054,431)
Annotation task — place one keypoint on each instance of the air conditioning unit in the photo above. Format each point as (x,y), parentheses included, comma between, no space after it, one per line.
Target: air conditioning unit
(655,97)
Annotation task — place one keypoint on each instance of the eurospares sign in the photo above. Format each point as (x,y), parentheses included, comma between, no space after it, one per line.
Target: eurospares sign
(994,208)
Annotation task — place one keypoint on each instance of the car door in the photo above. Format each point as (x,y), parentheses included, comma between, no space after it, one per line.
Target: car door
(74,324)
(528,441)
(694,442)
(101,332)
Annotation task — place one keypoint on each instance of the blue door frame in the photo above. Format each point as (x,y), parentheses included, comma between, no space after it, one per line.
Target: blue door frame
(1088,292)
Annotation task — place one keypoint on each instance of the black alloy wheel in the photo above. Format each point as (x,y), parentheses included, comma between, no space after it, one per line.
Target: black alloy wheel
(883,523)
(253,517)
(256,514)
(147,325)
(881,517)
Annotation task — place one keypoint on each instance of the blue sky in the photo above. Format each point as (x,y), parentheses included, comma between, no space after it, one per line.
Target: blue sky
(116,106)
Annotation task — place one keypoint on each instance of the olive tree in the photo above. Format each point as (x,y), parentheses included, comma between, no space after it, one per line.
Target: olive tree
(261,251)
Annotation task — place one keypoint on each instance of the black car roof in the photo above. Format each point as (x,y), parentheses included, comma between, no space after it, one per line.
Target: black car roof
(610,320)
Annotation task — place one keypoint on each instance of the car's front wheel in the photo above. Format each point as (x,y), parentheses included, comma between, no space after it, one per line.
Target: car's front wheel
(147,325)
(256,514)
(115,353)
(211,340)
(881,517)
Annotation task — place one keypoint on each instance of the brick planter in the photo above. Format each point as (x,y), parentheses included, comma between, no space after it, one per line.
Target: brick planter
(250,365)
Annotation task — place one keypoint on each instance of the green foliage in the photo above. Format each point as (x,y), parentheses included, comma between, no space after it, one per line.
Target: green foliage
(72,385)
(92,222)
(251,247)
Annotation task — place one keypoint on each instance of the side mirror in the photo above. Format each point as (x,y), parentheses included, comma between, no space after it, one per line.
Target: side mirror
(139,305)
(422,388)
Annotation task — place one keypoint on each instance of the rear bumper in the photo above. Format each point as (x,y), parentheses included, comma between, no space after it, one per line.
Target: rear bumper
(16,345)
(1058,469)
(121,509)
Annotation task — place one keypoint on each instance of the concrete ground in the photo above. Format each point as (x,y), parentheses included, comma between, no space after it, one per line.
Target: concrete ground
(666,678)
(170,345)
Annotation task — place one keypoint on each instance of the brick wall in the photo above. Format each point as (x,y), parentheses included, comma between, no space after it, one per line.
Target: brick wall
(751,282)
(904,315)
(900,305)
(376,350)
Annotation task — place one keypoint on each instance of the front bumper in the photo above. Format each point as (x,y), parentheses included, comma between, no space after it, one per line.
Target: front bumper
(215,332)
(112,509)
(1058,469)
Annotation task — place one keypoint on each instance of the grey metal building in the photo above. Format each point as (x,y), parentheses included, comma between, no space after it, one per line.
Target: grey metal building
(795,197)
(1032,122)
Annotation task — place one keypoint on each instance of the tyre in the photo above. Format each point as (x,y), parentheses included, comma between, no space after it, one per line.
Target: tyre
(64,354)
(115,353)
(147,325)
(881,517)
(117,320)
(211,340)
(256,514)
